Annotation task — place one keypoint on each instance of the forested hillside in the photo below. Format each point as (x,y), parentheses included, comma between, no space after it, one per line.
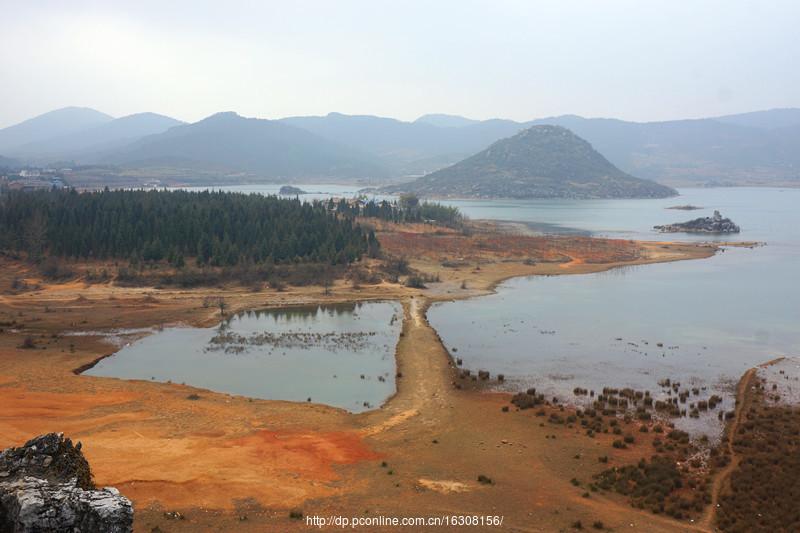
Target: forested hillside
(213,228)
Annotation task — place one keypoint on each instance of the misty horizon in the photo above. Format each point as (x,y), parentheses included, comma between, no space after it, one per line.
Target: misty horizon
(501,60)
(415,119)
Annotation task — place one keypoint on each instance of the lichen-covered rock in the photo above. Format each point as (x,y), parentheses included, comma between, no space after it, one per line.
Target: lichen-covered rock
(46,485)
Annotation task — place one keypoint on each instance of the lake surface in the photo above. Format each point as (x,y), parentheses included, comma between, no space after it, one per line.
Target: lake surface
(715,317)
(341,355)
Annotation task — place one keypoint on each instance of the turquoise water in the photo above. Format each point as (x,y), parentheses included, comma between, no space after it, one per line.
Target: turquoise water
(341,355)
(715,317)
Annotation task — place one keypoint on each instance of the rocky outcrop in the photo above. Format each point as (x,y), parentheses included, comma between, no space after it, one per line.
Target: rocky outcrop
(714,224)
(46,485)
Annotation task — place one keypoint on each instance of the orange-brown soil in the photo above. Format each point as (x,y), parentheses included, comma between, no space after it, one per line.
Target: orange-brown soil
(232,463)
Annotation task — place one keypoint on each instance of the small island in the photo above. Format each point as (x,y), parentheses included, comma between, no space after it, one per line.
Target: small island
(687,207)
(288,190)
(713,224)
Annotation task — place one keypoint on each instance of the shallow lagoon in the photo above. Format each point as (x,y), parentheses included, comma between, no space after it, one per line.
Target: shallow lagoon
(318,352)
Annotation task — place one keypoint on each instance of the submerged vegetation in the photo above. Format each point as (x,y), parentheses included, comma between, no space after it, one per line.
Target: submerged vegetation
(674,481)
(233,343)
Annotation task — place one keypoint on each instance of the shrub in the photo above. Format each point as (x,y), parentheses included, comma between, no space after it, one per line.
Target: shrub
(54,269)
(415,282)
(525,401)
(28,343)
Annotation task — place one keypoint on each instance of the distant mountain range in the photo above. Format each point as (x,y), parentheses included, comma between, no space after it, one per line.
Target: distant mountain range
(109,135)
(759,148)
(405,148)
(752,148)
(445,121)
(50,125)
(538,162)
(78,133)
(229,142)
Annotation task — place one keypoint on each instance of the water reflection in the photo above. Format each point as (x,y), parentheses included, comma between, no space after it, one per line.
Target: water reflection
(342,355)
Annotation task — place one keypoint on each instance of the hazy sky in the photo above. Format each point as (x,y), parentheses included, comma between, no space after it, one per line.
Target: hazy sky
(637,60)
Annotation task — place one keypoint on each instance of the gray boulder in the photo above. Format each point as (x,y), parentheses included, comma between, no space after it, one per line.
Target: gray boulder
(46,485)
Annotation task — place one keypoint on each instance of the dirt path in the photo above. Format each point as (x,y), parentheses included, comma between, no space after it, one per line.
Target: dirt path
(720,480)
(422,371)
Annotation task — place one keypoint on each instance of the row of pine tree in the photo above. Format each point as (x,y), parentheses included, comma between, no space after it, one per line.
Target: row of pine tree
(212,228)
